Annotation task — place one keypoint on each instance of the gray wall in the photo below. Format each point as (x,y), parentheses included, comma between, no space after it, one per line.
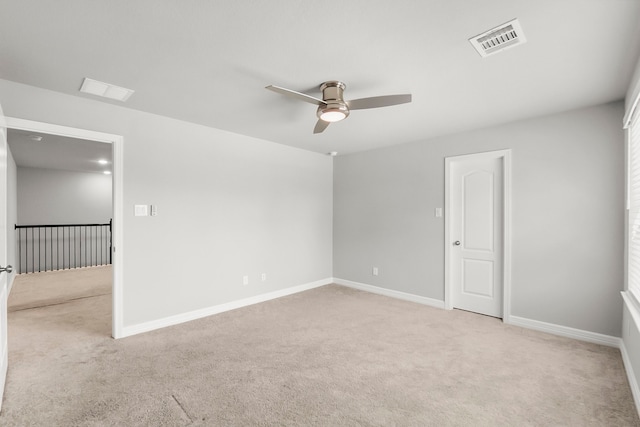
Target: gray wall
(228,206)
(12,213)
(231,205)
(47,196)
(567,213)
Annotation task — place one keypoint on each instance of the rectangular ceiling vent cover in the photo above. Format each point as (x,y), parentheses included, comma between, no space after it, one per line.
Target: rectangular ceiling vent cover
(498,39)
(107,90)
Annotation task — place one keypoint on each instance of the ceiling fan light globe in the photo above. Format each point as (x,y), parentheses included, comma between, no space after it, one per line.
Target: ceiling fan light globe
(333,111)
(332,115)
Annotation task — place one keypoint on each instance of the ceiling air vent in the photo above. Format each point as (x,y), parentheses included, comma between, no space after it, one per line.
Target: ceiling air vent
(497,39)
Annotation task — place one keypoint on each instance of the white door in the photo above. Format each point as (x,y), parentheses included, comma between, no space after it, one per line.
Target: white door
(476,230)
(4,282)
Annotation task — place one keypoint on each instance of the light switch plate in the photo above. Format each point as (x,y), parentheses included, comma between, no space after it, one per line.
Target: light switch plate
(154,210)
(141,210)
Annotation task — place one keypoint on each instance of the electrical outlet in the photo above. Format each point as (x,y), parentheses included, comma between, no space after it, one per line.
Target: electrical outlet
(245,280)
(263,277)
(375,271)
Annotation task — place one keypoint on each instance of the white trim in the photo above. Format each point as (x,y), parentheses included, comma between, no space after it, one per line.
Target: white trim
(11,279)
(506,255)
(31,125)
(216,309)
(506,270)
(626,121)
(4,362)
(4,261)
(565,331)
(3,376)
(632,306)
(390,293)
(117,232)
(448,298)
(117,142)
(633,382)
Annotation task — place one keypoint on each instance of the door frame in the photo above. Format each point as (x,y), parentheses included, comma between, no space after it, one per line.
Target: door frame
(116,142)
(505,155)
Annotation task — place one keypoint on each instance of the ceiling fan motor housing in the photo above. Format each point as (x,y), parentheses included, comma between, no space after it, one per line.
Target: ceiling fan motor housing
(332,94)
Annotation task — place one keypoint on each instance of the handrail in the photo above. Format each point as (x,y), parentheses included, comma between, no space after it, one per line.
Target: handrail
(63,246)
(61,225)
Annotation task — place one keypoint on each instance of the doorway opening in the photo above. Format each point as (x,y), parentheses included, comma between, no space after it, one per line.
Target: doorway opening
(70,136)
(478,233)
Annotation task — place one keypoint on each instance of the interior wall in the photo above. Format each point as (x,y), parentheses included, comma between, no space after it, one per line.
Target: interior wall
(231,205)
(228,206)
(567,215)
(12,212)
(47,196)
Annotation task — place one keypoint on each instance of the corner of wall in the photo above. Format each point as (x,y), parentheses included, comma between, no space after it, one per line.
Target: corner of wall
(220,308)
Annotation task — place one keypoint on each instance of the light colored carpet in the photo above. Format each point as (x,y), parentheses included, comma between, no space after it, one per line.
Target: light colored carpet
(55,287)
(331,356)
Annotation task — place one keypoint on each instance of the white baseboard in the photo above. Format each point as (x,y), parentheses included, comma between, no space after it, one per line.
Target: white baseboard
(633,382)
(390,293)
(216,309)
(565,331)
(537,325)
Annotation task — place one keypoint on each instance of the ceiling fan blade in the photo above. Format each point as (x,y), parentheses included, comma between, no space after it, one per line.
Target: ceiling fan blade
(320,126)
(378,101)
(298,95)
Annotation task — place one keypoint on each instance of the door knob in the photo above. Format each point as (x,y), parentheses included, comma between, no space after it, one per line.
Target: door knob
(8,269)
(457,243)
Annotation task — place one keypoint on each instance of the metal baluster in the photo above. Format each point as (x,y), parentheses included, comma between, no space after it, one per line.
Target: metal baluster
(75,246)
(19,250)
(33,253)
(49,247)
(68,242)
(38,250)
(99,245)
(45,249)
(85,246)
(110,240)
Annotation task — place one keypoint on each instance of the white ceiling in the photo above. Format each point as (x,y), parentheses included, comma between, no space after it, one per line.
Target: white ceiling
(208,62)
(58,152)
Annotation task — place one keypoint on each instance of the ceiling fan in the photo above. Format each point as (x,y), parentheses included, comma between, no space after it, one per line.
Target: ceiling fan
(333,108)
